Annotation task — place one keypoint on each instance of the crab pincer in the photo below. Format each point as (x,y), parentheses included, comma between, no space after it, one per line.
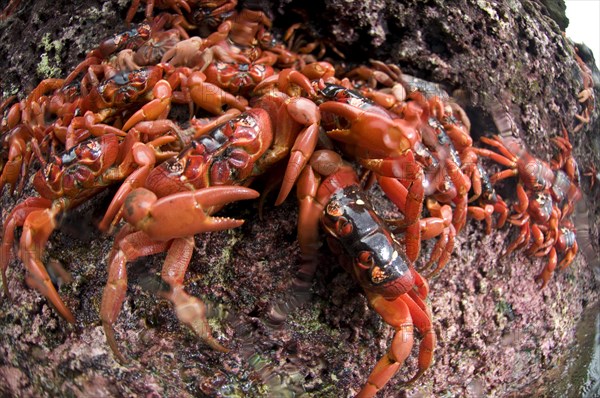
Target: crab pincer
(183,213)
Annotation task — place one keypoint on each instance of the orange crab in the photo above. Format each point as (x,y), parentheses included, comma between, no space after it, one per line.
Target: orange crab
(67,181)
(166,205)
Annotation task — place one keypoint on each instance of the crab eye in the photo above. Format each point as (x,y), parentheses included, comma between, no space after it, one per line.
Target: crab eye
(343,227)
(365,260)
(539,183)
(174,167)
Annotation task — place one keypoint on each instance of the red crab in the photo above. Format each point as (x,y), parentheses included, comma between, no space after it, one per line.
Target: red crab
(69,180)
(156,202)
(330,195)
(237,77)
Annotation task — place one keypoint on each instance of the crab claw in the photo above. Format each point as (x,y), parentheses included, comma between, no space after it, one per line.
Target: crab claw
(288,81)
(290,76)
(210,97)
(155,109)
(371,130)
(183,214)
(585,95)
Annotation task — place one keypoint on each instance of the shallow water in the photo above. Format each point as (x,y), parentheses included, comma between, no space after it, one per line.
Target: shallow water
(584,372)
(580,375)
(591,388)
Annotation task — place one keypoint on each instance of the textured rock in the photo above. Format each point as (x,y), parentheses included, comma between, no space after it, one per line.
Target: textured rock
(498,334)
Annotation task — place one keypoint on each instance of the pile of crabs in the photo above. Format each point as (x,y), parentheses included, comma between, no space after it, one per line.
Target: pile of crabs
(183,115)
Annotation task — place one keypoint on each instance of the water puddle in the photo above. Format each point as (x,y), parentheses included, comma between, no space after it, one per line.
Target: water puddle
(581,376)
(591,388)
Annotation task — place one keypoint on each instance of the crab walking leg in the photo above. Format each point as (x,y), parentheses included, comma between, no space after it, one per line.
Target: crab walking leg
(19,156)
(158,108)
(309,217)
(421,316)
(37,228)
(421,285)
(210,97)
(397,314)
(439,225)
(569,256)
(520,241)
(190,310)
(483,213)
(548,270)
(441,252)
(36,231)
(15,219)
(305,112)
(410,202)
(127,247)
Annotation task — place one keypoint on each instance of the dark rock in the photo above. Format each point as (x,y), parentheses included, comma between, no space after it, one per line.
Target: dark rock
(498,333)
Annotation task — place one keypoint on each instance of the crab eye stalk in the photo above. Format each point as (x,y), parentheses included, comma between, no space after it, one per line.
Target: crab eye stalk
(336,220)
(539,183)
(343,227)
(365,260)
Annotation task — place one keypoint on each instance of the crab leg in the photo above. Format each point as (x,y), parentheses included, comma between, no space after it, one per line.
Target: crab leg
(208,96)
(158,108)
(521,239)
(127,247)
(443,247)
(482,214)
(408,200)
(421,286)
(410,203)
(548,270)
(569,256)
(441,252)
(37,218)
(308,239)
(412,240)
(16,218)
(422,321)
(459,217)
(438,225)
(288,81)
(305,112)
(19,154)
(537,240)
(509,157)
(397,314)
(37,228)
(190,310)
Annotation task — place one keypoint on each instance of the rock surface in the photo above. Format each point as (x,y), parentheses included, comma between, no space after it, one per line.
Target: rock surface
(498,334)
